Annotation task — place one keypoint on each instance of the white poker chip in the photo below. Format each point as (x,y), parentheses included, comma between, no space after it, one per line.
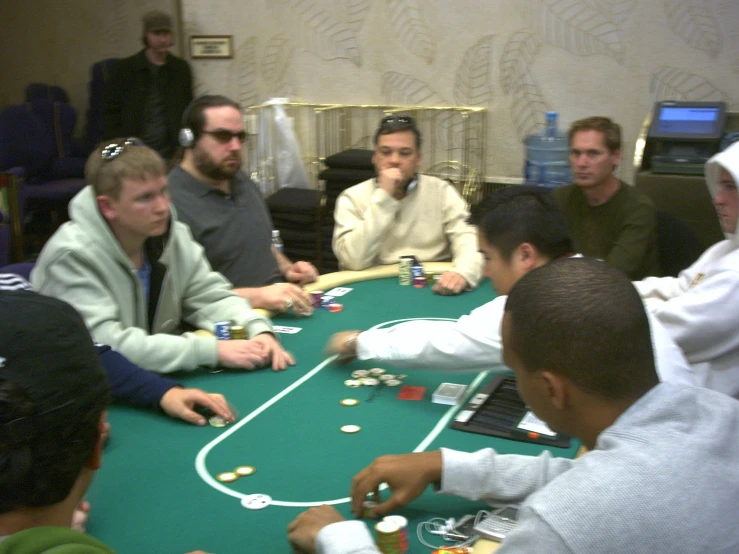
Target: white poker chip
(360,373)
(352,383)
(245,471)
(256,501)
(376,371)
(393,382)
(350,429)
(369,381)
(227,477)
(387,377)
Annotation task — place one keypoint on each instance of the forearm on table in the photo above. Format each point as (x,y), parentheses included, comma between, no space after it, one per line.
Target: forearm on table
(161,352)
(428,344)
(254,295)
(345,537)
(130,383)
(492,477)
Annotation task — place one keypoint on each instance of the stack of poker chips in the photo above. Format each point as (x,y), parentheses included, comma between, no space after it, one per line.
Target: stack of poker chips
(321,300)
(410,272)
(226,330)
(392,535)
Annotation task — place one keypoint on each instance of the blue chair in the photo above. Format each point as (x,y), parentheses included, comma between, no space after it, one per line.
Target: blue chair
(60,120)
(100,74)
(54,93)
(28,151)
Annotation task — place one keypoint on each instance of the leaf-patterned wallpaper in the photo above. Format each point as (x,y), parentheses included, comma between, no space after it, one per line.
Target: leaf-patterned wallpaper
(516,58)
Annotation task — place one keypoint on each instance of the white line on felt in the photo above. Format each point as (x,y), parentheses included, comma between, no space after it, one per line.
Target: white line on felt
(203,454)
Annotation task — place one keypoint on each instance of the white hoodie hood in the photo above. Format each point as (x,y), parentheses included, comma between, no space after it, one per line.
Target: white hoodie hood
(728,160)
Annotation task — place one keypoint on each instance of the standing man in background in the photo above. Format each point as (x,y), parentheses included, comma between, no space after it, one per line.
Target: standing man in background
(148,92)
(606,218)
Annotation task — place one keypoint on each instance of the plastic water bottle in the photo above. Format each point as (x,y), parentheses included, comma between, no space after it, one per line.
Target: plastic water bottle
(547,156)
(277,241)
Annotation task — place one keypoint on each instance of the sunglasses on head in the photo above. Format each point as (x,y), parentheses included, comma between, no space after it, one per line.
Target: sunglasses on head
(224,136)
(115,149)
(394,119)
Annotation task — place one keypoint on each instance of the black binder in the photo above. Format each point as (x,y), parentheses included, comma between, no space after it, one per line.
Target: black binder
(497,410)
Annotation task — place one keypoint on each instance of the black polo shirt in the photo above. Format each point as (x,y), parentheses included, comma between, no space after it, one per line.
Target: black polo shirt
(235,230)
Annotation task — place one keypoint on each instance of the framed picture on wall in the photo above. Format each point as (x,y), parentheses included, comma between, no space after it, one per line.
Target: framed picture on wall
(203,47)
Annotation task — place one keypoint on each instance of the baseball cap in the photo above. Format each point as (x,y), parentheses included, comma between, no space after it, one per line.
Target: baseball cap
(156,21)
(47,352)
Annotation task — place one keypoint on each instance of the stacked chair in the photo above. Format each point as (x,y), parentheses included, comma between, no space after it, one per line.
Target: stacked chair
(343,170)
(42,91)
(296,213)
(36,147)
(99,76)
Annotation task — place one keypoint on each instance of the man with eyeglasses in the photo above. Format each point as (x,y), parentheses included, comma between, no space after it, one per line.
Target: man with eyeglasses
(401,212)
(606,218)
(139,279)
(226,212)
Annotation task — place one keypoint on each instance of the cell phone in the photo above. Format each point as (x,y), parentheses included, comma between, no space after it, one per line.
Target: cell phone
(498,524)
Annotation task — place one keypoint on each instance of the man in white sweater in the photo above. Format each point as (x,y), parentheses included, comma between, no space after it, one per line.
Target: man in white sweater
(401,212)
(660,475)
(698,308)
(519,229)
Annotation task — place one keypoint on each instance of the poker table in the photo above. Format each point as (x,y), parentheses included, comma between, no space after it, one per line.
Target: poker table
(157,490)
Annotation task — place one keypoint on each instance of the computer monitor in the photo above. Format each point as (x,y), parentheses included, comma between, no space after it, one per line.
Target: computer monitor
(688,121)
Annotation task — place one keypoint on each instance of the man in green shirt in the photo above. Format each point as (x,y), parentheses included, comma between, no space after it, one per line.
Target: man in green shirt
(606,218)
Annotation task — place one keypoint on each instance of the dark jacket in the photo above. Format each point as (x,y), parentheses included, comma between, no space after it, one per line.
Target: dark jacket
(125,95)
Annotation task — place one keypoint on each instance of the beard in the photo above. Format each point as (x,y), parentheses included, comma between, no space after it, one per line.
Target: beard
(206,165)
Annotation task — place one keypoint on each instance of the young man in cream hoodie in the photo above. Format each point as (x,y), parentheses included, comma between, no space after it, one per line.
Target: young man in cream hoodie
(699,307)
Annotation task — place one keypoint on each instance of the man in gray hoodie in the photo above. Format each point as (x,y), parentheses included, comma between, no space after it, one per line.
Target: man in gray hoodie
(660,474)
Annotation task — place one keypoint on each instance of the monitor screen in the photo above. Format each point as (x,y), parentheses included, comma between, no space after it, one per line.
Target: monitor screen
(688,121)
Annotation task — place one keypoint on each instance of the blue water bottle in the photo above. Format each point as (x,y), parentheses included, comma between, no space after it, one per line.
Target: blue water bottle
(547,156)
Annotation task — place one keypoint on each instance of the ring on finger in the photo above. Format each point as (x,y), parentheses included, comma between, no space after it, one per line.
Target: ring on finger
(289,304)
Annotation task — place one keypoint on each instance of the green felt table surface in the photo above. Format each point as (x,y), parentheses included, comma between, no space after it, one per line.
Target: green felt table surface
(157,492)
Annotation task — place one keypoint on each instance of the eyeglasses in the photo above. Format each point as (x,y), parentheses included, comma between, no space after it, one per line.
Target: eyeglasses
(224,136)
(394,119)
(115,149)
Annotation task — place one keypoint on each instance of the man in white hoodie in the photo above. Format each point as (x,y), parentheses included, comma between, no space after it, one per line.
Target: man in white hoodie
(699,307)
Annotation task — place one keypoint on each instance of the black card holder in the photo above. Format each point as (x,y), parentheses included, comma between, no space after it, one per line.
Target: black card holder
(497,410)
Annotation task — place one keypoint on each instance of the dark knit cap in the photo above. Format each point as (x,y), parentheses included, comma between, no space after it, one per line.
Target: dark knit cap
(156,21)
(46,350)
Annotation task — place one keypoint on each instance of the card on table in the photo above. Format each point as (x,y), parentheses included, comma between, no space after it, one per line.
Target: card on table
(338,291)
(411,393)
(286,330)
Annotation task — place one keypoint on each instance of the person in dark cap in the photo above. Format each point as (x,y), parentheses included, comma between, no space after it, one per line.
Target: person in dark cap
(148,92)
(53,396)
